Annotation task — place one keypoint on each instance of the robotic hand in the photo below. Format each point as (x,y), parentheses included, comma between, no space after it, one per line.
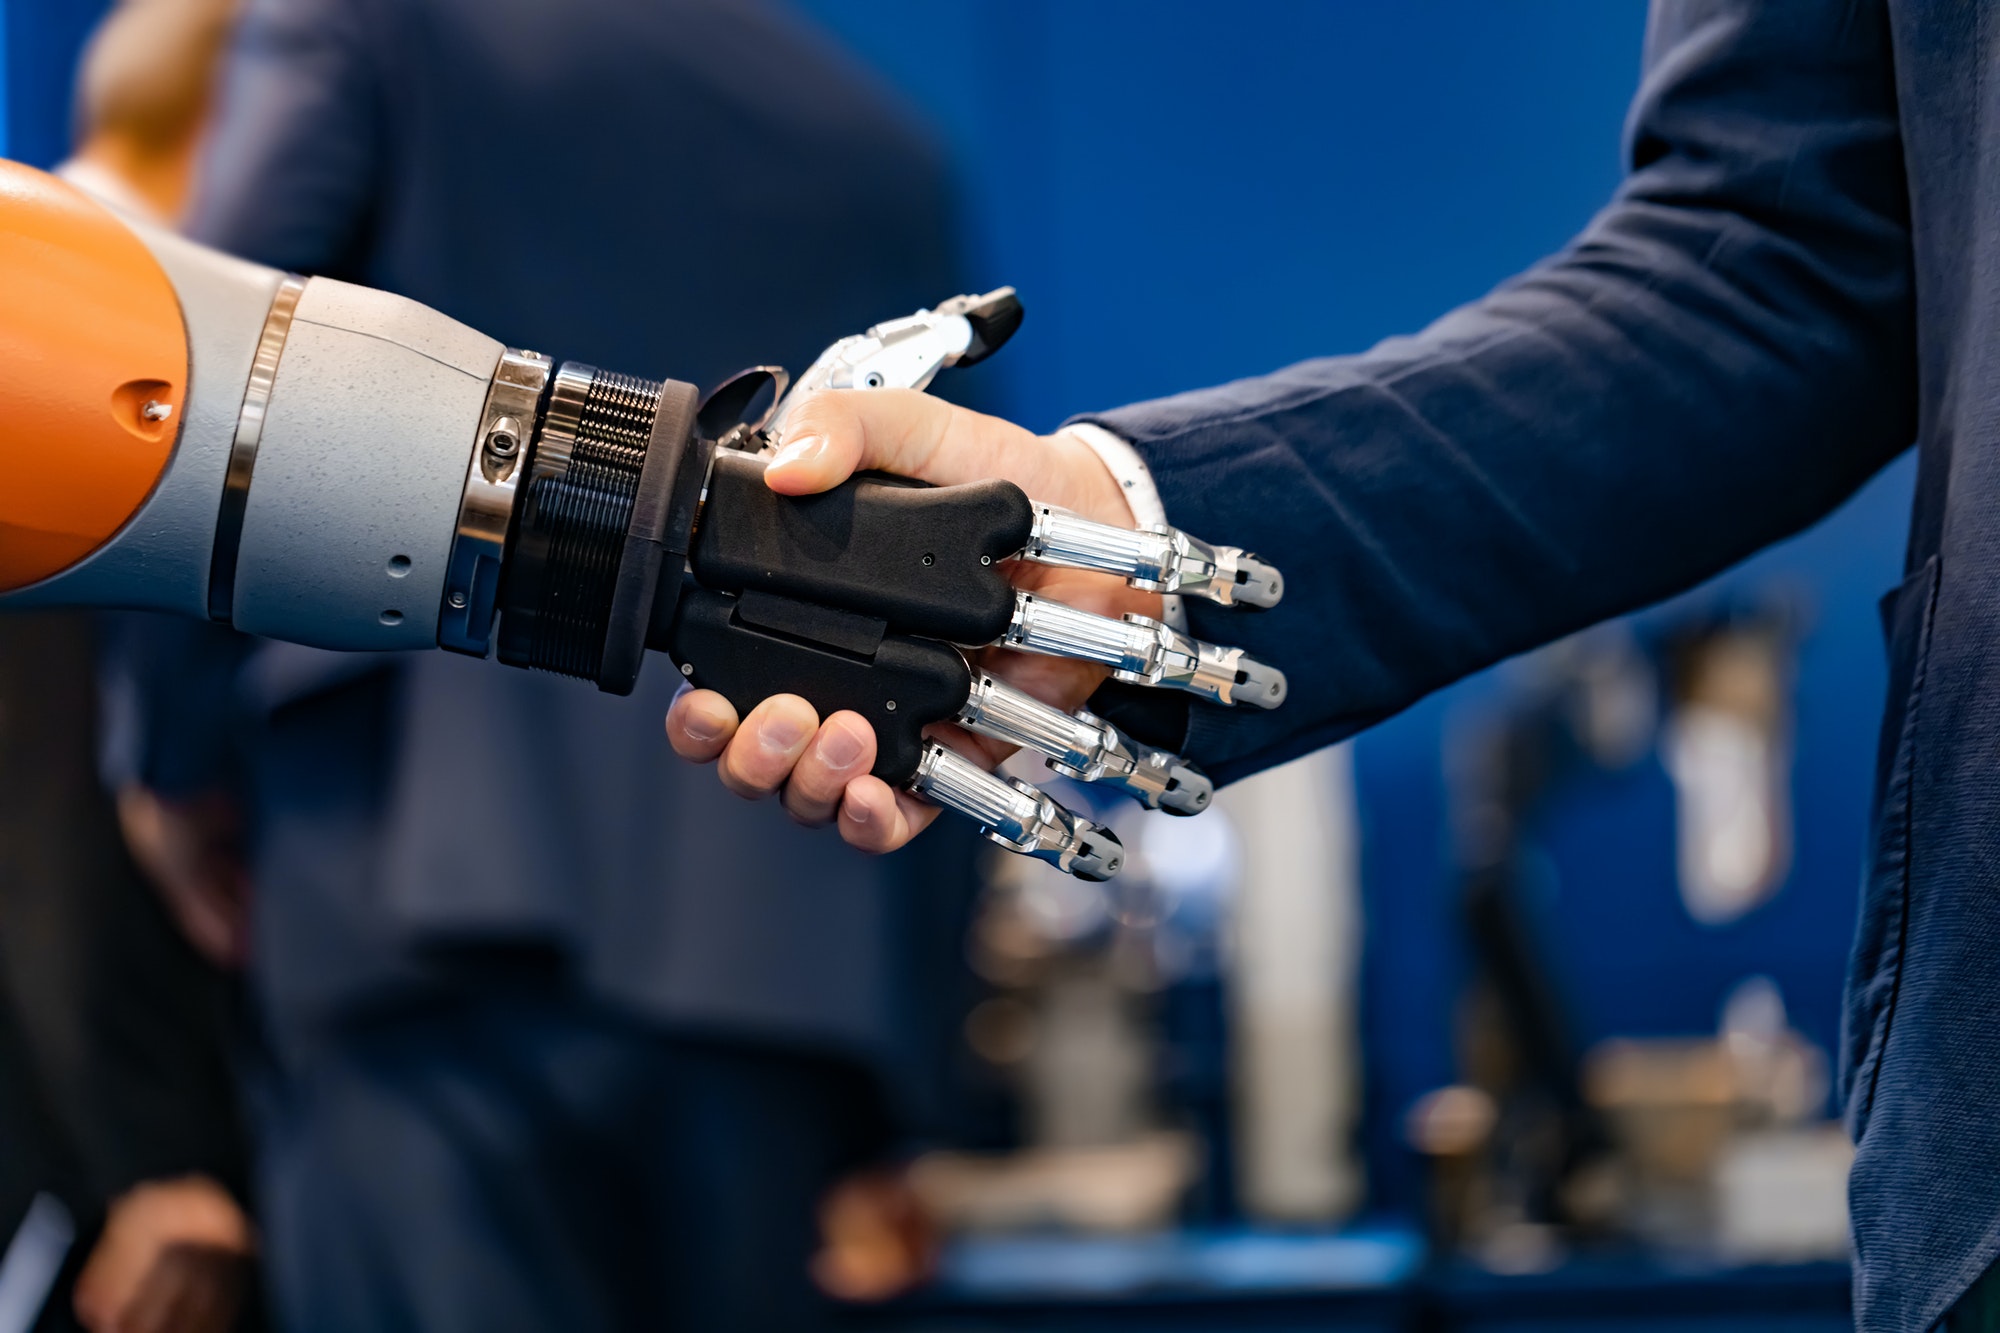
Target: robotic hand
(338,467)
(843,598)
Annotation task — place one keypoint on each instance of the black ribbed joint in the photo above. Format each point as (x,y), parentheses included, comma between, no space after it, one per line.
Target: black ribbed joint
(570,526)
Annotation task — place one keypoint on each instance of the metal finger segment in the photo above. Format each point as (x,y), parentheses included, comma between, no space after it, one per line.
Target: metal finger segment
(906,353)
(1017,816)
(1158,559)
(1142,651)
(1086,747)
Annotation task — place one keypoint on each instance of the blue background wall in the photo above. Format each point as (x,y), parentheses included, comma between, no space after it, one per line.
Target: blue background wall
(3,79)
(42,39)
(1186,192)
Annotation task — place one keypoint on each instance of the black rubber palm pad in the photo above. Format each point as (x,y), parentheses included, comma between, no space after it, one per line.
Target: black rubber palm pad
(750,649)
(924,559)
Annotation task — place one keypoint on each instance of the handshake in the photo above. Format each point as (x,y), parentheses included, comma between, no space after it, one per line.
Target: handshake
(885,645)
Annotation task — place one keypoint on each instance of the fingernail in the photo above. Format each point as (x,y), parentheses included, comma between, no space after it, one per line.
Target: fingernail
(838,747)
(701,726)
(802,450)
(856,812)
(781,735)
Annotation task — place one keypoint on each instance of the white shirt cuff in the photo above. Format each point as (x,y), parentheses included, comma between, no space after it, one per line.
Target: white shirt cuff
(1136,480)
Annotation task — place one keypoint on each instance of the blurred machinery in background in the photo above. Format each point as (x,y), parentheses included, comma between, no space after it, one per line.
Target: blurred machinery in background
(1177,1058)
(1713,1145)
(1177,1046)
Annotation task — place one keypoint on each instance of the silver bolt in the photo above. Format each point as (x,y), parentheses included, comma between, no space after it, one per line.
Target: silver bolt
(891,705)
(155,410)
(457,600)
(687,668)
(985,559)
(504,440)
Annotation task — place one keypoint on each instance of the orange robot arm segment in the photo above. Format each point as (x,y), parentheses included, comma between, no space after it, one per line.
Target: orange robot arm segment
(93,374)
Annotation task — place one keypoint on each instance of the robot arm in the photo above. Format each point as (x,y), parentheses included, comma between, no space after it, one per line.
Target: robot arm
(193,434)
(317,462)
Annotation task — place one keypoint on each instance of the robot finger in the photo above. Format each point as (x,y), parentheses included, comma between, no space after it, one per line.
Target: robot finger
(1143,651)
(904,353)
(1158,559)
(1017,816)
(1084,746)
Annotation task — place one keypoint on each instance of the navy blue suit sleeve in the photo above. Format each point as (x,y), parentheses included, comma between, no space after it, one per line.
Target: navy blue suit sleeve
(290,170)
(1723,356)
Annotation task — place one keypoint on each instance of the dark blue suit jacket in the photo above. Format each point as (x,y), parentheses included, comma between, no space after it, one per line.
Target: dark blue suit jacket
(1797,280)
(669,188)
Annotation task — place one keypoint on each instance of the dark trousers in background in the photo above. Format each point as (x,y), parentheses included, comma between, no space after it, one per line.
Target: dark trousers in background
(518,1159)
(114,1035)
(36,1157)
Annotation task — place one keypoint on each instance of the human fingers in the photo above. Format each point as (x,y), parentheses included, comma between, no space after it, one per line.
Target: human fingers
(136,1277)
(762,754)
(877,1239)
(832,435)
(875,818)
(843,750)
(192,1288)
(835,433)
(700,724)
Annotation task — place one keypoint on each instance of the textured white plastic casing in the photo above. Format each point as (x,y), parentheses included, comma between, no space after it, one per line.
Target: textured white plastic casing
(159,560)
(355,495)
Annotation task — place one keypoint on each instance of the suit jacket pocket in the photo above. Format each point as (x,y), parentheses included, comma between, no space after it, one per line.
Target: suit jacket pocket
(1875,968)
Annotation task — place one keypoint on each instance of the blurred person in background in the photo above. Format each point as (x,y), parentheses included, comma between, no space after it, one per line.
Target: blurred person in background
(114,1032)
(143,103)
(561,1036)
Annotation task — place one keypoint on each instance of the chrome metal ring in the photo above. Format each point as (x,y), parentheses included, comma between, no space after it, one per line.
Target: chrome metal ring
(486,509)
(243,447)
(565,416)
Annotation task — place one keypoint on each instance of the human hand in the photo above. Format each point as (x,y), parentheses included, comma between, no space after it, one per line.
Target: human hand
(877,1238)
(192,852)
(175,1257)
(821,766)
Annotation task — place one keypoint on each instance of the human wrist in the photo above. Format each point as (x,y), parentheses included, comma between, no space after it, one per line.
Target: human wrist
(1143,506)
(1092,488)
